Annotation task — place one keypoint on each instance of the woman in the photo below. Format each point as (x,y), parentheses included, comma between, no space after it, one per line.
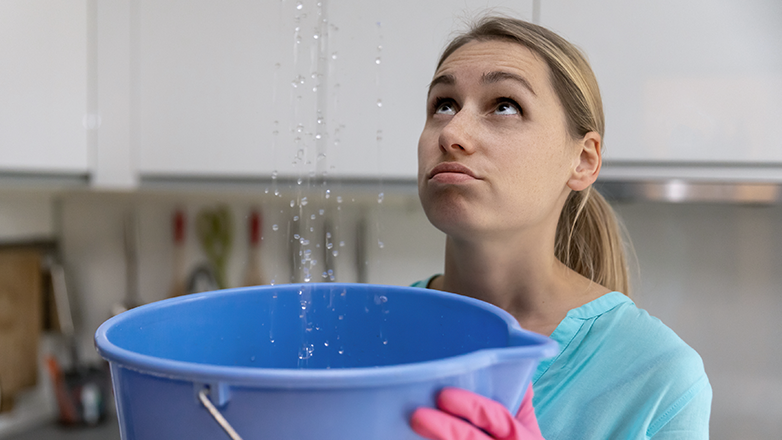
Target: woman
(510,149)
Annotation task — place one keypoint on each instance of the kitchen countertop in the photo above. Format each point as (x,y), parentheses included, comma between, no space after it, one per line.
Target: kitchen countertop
(108,430)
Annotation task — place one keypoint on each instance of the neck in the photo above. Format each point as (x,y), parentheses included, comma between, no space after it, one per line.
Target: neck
(520,275)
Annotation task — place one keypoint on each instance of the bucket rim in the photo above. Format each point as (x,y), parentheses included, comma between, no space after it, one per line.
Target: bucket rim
(352,377)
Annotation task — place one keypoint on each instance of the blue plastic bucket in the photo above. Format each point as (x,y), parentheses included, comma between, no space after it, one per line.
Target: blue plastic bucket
(309,361)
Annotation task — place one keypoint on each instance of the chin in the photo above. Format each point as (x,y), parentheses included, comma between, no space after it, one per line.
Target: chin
(452,217)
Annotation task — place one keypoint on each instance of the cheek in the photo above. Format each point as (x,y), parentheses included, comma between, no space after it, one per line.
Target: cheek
(427,146)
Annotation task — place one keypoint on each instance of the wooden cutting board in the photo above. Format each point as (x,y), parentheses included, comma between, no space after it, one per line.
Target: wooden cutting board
(20,321)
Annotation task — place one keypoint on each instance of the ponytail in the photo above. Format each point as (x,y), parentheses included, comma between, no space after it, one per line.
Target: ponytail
(589,240)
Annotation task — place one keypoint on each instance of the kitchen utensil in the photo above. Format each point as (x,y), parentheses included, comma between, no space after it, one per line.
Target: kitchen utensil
(130,247)
(215,233)
(253,275)
(309,361)
(178,283)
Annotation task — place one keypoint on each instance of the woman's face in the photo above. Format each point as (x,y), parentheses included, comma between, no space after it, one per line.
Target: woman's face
(495,154)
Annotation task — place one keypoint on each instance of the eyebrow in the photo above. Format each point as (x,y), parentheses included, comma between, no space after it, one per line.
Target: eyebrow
(486,78)
(448,80)
(495,77)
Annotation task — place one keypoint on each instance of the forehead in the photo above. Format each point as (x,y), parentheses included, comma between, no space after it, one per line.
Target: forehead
(479,57)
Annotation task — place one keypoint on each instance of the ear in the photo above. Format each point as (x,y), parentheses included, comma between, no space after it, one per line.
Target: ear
(588,163)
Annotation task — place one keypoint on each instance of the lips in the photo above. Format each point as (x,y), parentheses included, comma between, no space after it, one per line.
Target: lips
(451,168)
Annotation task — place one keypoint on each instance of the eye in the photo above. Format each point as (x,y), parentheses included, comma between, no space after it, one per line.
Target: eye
(507,106)
(444,106)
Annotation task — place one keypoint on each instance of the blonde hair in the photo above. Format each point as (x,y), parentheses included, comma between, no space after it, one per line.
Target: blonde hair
(588,236)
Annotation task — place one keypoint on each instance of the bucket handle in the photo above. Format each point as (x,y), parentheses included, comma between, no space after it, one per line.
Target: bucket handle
(204,398)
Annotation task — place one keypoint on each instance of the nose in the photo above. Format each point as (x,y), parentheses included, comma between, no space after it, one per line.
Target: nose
(457,135)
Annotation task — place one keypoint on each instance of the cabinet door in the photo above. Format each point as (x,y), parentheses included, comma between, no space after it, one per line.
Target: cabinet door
(43,85)
(206,72)
(247,88)
(688,81)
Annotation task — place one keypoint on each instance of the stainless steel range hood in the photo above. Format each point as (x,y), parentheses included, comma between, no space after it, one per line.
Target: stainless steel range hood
(678,182)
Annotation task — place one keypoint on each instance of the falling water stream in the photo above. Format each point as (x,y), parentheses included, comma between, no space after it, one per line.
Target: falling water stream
(301,141)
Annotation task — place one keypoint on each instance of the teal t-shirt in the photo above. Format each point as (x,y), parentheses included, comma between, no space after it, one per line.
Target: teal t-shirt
(620,374)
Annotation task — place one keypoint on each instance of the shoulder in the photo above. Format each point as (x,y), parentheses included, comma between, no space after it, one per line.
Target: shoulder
(634,331)
(632,369)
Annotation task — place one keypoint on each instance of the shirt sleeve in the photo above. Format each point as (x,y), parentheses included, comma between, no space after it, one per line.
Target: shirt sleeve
(690,421)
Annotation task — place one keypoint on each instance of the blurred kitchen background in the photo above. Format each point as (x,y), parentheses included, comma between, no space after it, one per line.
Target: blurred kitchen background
(153,148)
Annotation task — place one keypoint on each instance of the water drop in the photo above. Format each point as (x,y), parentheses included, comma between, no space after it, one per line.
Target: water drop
(380,244)
(303,201)
(296,237)
(334,56)
(380,198)
(339,199)
(328,193)
(316,36)
(385,341)
(293,203)
(379,103)
(335,252)
(326,344)
(299,6)
(341,351)
(312,217)
(377,60)
(317,136)
(341,244)
(275,227)
(295,218)
(321,212)
(298,181)
(379,47)
(271,340)
(274,175)
(266,191)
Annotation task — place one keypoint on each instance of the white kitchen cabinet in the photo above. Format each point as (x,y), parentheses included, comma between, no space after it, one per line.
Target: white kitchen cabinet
(216,81)
(43,87)
(687,85)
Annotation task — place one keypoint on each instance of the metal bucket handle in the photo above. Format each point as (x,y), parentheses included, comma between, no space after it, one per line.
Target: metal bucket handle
(203,396)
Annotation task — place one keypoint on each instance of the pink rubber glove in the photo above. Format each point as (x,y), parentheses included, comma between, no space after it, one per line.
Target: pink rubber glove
(464,415)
